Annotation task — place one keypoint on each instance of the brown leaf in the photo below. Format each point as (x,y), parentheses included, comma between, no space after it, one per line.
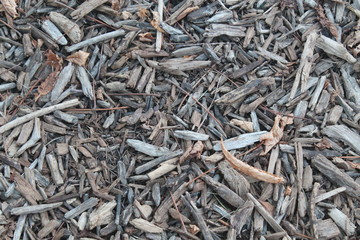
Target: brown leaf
(324,144)
(249,170)
(197,150)
(271,138)
(193,229)
(10,7)
(47,85)
(125,15)
(156,22)
(78,58)
(115,4)
(53,60)
(192,152)
(147,35)
(245,125)
(143,13)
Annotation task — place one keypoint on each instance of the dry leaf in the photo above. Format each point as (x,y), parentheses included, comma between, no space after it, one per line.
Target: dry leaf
(193,229)
(197,150)
(146,35)
(125,15)
(47,85)
(271,138)
(324,144)
(156,22)
(191,152)
(186,12)
(249,170)
(53,60)
(99,94)
(78,58)
(143,13)
(115,4)
(10,7)
(247,126)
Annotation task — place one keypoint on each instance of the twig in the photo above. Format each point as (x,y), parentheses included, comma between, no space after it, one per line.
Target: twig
(96,39)
(159,35)
(96,109)
(177,209)
(203,174)
(38,113)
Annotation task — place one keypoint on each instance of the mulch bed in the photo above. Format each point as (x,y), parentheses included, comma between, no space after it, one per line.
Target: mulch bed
(190,119)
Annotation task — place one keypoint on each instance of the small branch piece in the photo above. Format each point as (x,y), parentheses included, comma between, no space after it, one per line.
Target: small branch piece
(38,113)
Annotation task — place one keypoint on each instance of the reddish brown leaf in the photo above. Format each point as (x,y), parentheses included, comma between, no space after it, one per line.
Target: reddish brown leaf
(53,60)
(47,85)
(78,58)
(143,13)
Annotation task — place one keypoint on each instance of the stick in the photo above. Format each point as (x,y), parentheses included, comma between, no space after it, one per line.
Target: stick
(96,39)
(159,34)
(38,113)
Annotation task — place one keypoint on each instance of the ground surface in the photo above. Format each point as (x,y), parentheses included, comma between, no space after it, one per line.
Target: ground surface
(113,115)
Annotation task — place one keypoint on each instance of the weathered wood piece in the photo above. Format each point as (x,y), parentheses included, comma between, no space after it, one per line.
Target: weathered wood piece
(86,7)
(246,89)
(334,48)
(38,113)
(241,141)
(342,221)
(336,176)
(71,29)
(344,134)
(34,209)
(197,216)
(100,38)
(145,226)
(147,148)
(91,202)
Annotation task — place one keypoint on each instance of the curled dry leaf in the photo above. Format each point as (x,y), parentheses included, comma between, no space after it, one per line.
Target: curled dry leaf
(78,58)
(191,152)
(249,170)
(247,126)
(125,15)
(146,37)
(193,229)
(156,22)
(143,13)
(271,138)
(10,7)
